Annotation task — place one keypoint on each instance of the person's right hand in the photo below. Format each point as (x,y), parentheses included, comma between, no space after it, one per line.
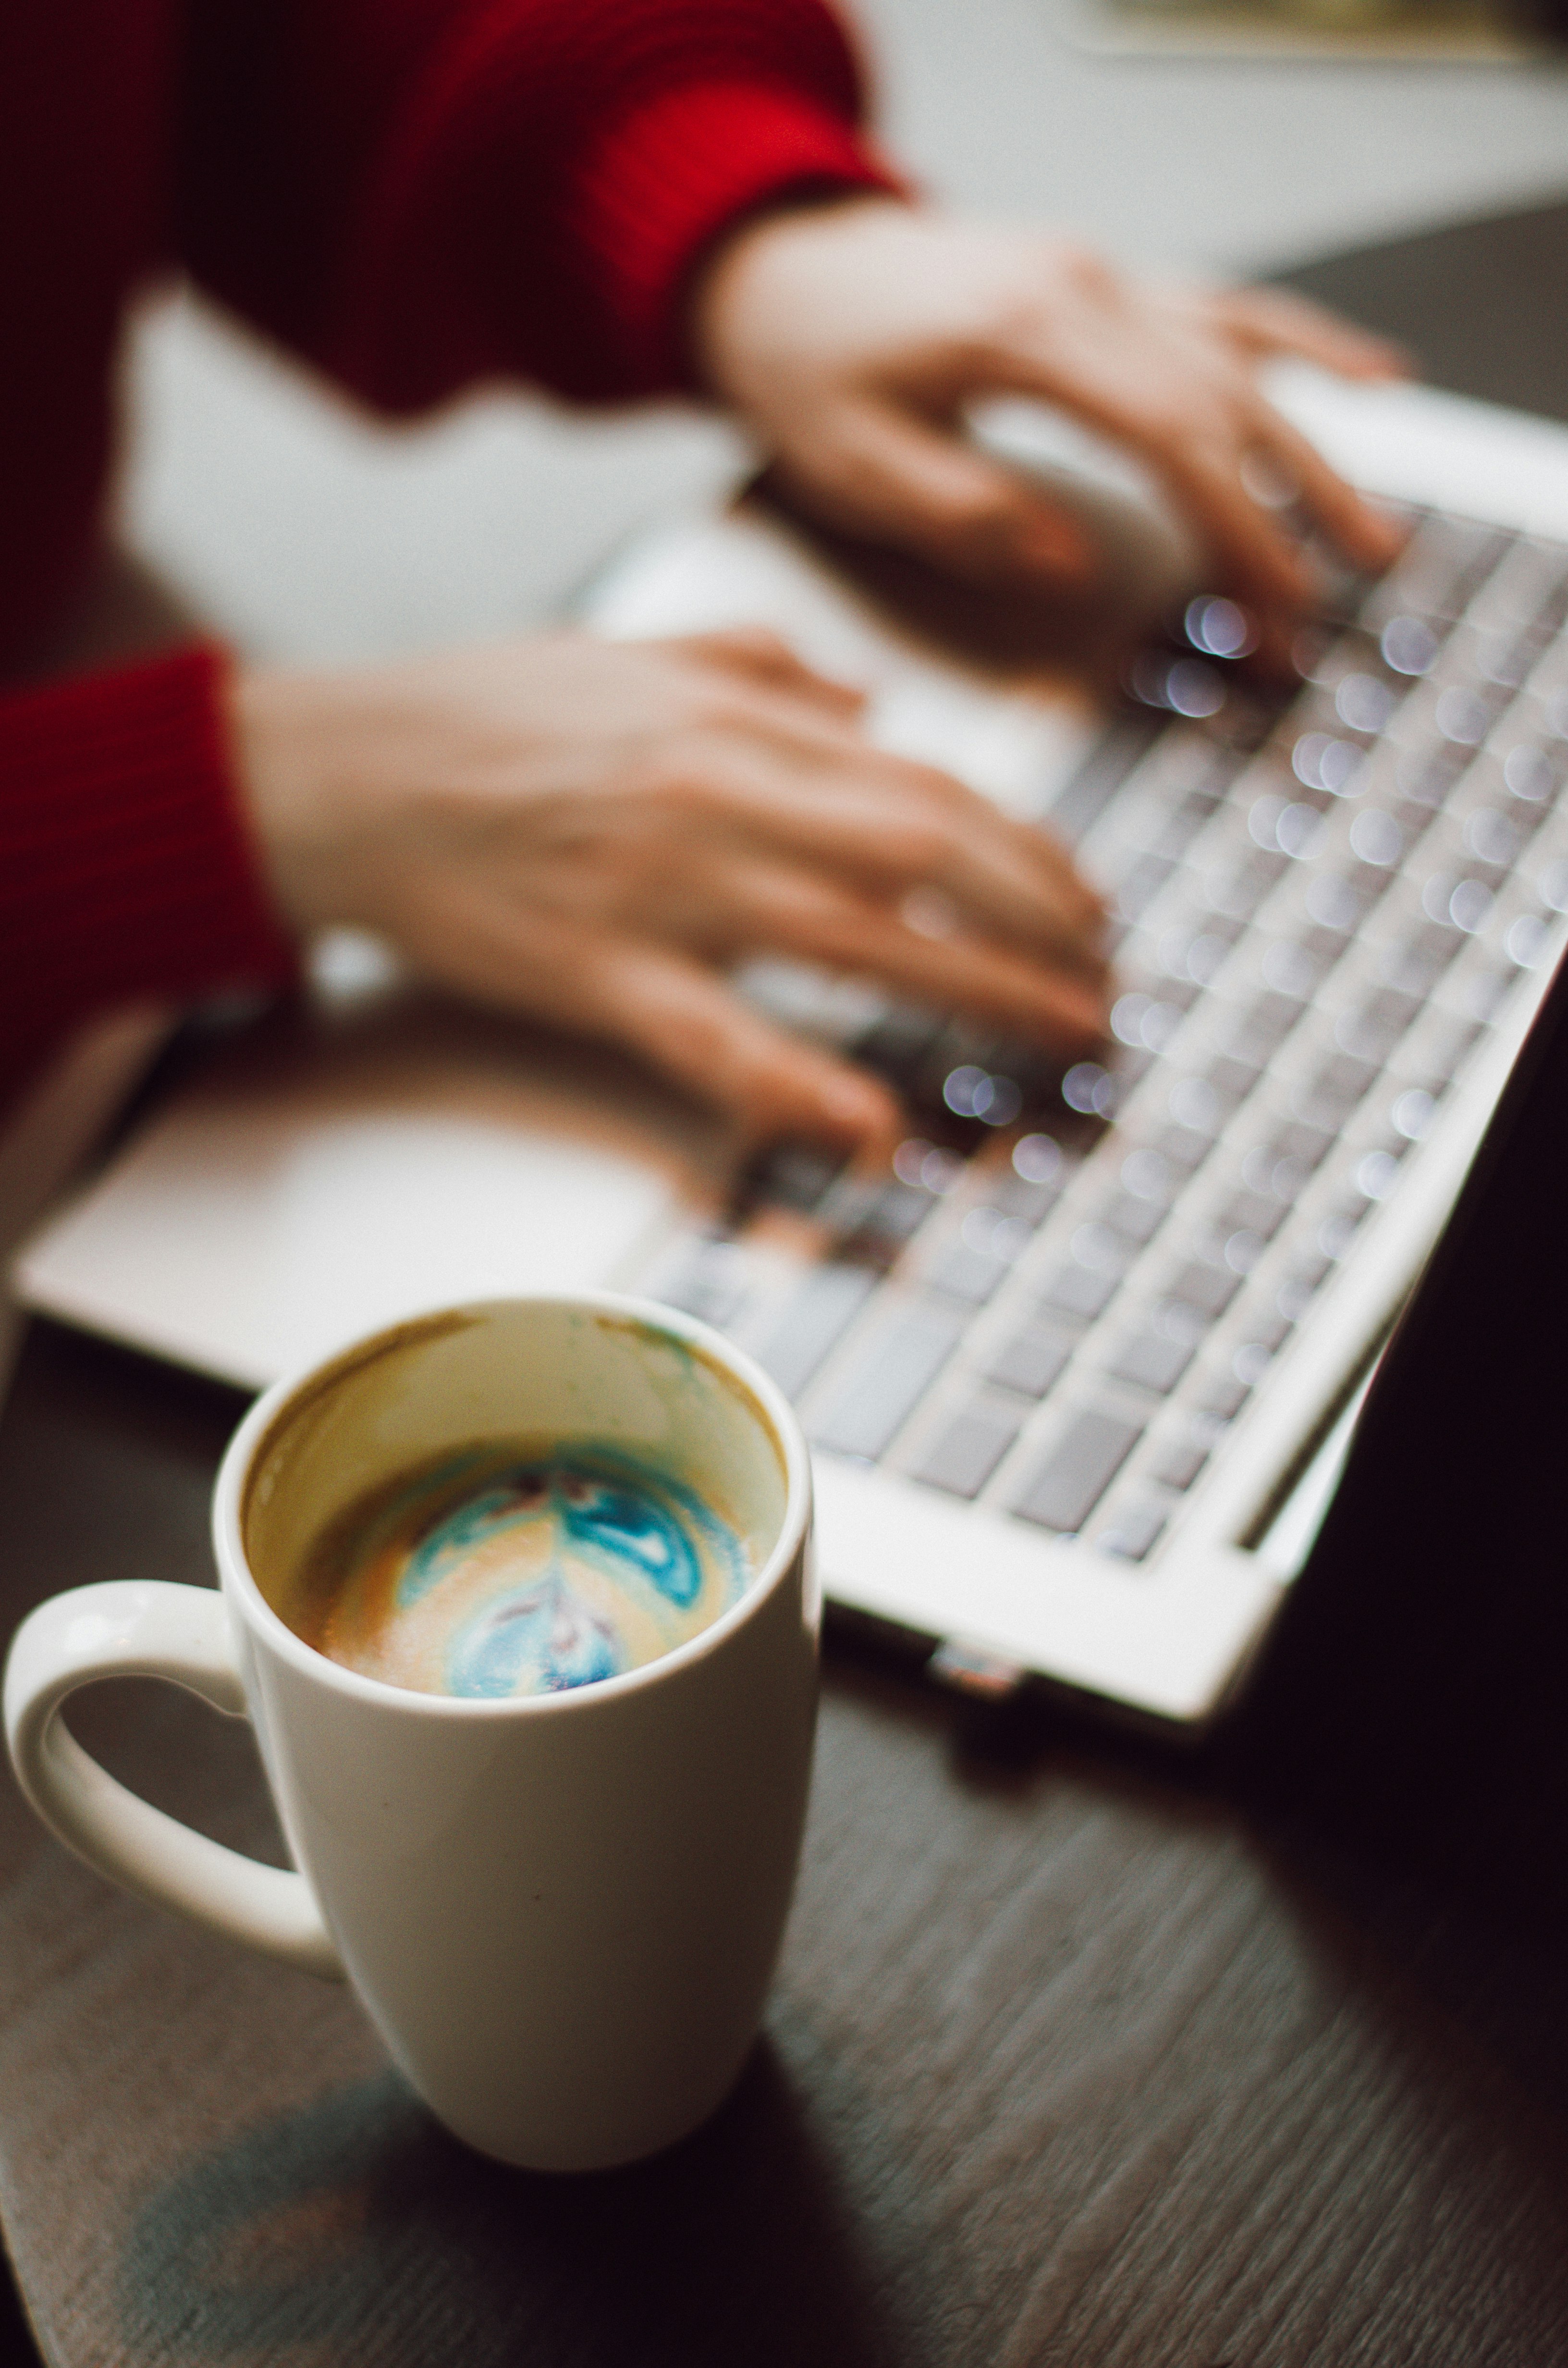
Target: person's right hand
(854,336)
(595,832)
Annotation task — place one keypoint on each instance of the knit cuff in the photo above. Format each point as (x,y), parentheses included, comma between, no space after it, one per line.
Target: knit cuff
(127,870)
(656,192)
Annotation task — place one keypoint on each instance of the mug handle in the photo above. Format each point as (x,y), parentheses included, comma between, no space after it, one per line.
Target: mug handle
(130,1628)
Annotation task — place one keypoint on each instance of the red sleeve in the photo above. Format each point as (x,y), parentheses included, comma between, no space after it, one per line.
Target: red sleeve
(126,868)
(415,193)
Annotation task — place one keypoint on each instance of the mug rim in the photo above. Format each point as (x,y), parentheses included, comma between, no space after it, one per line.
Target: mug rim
(239,1585)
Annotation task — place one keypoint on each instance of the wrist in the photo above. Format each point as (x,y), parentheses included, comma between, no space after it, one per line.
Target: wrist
(284,729)
(767,252)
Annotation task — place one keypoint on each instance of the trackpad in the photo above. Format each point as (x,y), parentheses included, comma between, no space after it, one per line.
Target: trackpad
(287,1202)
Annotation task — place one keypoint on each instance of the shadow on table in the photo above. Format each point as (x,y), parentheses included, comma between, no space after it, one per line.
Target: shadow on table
(357,2229)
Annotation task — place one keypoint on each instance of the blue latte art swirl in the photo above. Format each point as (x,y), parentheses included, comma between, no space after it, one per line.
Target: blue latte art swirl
(541,1575)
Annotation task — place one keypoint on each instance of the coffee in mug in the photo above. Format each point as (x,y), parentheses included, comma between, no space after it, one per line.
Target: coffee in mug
(519,1567)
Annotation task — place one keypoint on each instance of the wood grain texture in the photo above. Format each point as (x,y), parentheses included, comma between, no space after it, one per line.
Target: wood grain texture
(1071,2060)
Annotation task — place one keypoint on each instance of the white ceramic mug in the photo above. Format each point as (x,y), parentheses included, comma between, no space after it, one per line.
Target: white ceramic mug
(561,1912)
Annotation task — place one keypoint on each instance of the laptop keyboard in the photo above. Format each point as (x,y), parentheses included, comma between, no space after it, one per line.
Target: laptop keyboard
(1073,1283)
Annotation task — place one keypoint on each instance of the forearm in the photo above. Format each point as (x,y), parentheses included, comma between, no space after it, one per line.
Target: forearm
(127,865)
(417,193)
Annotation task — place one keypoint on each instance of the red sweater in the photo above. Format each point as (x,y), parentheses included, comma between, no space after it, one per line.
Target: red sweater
(411,194)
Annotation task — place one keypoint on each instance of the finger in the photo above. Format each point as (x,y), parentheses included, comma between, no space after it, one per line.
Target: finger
(755,654)
(773,909)
(1251,545)
(1197,437)
(656,999)
(1275,321)
(691,1025)
(768,772)
(919,484)
(1359,531)
(885,823)
(1193,423)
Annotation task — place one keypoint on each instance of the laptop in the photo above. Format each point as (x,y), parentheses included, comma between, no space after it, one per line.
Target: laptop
(1081,1373)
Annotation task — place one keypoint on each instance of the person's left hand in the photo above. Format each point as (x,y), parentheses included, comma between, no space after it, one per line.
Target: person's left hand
(854,337)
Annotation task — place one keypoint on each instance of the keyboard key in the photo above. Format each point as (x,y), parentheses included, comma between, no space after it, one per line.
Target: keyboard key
(887,1380)
(1102,773)
(1134,1219)
(1414,967)
(1082,1291)
(1297,1291)
(1067,1487)
(711,1282)
(1147,876)
(1295,967)
(1461,715)
(1270,1333)
(1531,777)
(1306,1145)
(1243,1250)
(1254,1213)
(1425,775)
(1030,1203)
(1372,1031)
(793,1174)
(1231,1080)
(897,1047)
(1148,1177)
(1209,1288)
(1184,1147)
(1258,1031)
(1238,893)
(1338,1230)
(1039,1164)
(898,1210)
(1226,1397)
(1089,1088)
(968,1274)
(1376,837)
(1156,1358)
(1365,701)
(1184,1459)
(1183,825)
(1145,1021)
(1198,1106)
(1031,1360)
(932,1168)
(1335,1090)
(813,1322)
(963,1457)
(1407,643)
(1134,1529)
(1414,816)
(1333,903)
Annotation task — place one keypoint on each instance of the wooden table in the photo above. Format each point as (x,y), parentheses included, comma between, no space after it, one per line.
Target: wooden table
(1080,2053)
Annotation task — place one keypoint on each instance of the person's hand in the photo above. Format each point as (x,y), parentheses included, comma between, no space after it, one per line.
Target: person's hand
(594,832)
(854,337)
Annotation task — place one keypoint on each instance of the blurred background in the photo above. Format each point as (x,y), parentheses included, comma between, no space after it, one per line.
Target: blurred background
(305,531)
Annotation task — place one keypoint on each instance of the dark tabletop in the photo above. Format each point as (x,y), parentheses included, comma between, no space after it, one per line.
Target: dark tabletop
(1082,2052)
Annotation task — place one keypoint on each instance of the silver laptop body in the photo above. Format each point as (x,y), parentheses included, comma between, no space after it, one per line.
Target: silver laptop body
(1077,1376)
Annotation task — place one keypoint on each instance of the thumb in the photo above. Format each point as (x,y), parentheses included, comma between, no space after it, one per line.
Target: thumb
(919,482)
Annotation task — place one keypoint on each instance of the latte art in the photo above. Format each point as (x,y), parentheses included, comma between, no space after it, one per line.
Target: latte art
(531,1575)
